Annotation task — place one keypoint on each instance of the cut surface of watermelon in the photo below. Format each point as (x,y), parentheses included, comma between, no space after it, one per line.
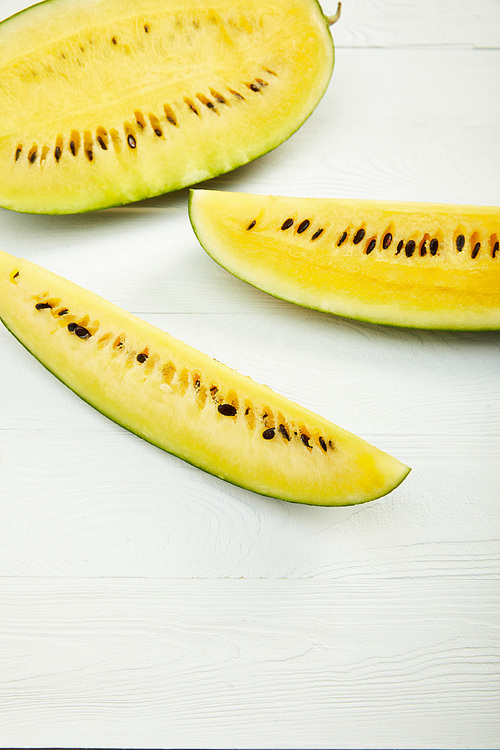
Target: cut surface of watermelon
(105,102)
(184,401)
(419,265)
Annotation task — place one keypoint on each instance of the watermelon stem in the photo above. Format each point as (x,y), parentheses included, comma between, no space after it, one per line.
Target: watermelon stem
(333,19)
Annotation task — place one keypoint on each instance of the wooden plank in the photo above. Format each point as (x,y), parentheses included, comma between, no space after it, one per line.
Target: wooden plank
(183,664)
(385,23)
(84,497)
(104,503)
(145,604)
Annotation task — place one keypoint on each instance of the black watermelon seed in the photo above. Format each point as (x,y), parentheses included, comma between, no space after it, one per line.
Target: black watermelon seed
(159,132)
(284,431)
(146,29)
(387,240)
(254,87)
(342,239)
(287,224)
(460,242)
(399,247)
(210,105)
(323,444)
(252,224)
(477,247)
(434,246)
(269,433)
(371,246)
(32,158)
(43,306)
(316,234)
(101,143)
(114,40)
(228,410)
(57,153)
(305,439)
(18,153)
(72,326)
(303,226)
(65,311)
(410,248)
(141,358)
(131,141)
(90,155)
(330,443)
(82,332)
(495,249)
(358,236)
(423,248)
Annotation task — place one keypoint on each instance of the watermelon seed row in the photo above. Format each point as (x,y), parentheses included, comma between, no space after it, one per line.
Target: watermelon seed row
(409,247)
(226,407)
(103,136)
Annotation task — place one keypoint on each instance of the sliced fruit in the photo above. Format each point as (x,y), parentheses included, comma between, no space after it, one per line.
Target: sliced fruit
(184,401)
(111,101)
(407,264)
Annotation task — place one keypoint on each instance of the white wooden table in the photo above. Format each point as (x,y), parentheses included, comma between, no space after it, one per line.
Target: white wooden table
(145,604)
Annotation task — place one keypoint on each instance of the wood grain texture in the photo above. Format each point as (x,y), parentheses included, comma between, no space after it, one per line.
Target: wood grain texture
(144,603)
(249,664)
(101,501)
(148,514)
(402,23)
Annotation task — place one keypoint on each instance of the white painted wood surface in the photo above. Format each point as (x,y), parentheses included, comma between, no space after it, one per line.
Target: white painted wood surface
(146,604)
